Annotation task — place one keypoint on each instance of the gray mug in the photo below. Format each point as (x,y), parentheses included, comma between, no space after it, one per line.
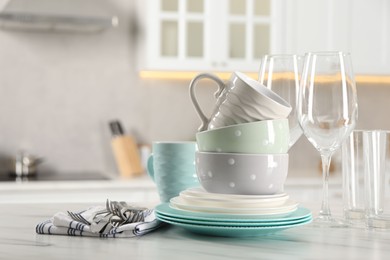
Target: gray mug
(239,100)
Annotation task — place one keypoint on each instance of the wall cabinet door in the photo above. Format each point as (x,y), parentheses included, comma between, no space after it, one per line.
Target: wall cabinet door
(216,35)
(360,27)
(175,34)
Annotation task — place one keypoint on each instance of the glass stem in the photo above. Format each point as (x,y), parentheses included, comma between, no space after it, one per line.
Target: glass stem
(325,210)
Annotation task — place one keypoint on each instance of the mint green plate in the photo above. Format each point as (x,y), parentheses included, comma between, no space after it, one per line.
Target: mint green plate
(232,223)
(165,210)
(229,231)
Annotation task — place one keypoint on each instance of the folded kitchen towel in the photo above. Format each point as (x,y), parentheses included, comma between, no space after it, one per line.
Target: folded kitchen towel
(117,219)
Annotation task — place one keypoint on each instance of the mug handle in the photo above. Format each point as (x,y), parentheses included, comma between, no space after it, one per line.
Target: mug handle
(150,168)
(221,86)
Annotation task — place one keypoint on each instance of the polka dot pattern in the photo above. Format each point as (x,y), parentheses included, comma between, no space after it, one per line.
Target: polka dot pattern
(228,173)
(244,139)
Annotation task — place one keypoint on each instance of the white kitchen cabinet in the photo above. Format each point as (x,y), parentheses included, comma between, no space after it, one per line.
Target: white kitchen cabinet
(360,27)
(211,35)
(228,35)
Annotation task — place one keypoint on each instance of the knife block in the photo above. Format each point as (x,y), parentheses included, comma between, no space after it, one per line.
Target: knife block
(126,152)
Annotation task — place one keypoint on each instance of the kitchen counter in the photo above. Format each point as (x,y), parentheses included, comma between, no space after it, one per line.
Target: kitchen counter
(19,217)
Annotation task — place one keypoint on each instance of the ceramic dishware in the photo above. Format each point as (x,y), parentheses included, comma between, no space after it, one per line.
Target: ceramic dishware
(240,100)
(199,192)
(172,167)
(197,197)
(235,231)
(287,207)
(165,209)
(245,174)
(268,137)
(232,225)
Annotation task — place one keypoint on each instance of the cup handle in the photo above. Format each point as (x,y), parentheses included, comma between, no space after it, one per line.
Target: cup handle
(221,86)
(150,168)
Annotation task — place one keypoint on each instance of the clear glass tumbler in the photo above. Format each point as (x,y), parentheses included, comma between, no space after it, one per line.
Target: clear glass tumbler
(353,178)
(377,172)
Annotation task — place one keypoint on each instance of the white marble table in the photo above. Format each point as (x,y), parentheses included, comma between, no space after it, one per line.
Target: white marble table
(18,239)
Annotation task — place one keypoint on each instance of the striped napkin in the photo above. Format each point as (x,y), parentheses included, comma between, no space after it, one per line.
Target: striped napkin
(102,222)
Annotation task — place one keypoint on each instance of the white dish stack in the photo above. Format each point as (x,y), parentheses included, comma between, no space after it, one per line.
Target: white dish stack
(232,215)
(199,200)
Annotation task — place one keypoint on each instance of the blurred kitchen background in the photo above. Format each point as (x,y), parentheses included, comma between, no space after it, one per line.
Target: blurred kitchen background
(68,67)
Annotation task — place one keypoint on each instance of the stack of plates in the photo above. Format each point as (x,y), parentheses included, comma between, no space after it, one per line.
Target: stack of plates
(232,215)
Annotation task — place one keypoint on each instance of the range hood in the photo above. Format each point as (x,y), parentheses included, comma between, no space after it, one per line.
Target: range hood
(58,15)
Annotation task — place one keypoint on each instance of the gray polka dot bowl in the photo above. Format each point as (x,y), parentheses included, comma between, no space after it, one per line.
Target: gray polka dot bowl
(261,137)
(245,174)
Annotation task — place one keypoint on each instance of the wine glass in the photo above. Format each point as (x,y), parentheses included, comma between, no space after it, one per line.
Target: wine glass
(327,111)
(281,73)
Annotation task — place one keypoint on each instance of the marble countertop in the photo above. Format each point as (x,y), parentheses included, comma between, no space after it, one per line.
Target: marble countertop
(18,239)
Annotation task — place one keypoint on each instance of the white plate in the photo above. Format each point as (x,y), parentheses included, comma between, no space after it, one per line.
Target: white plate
(288,206)
(166,210)
(200,192)
(233,203)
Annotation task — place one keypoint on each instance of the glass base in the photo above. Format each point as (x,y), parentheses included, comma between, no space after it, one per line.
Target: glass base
(379,222)
(329,222)
(355,214)
(355,218)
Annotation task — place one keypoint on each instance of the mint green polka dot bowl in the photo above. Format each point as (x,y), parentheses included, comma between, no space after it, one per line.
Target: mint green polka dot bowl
(261,137)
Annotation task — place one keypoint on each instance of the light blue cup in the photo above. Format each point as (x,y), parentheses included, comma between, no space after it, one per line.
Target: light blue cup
(172,167)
